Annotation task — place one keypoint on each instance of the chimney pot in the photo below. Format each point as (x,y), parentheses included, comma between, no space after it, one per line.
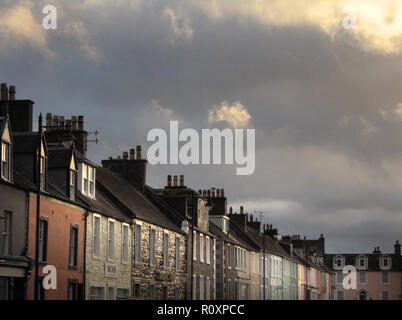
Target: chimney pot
(4,92)
(68,124)
(251,218)
(11,94)
(61,122)
(397,248)
(218,193)
(55,121)
(230,210)
(208,193)
(169,180)
(241,209)
(81,123)
(181,180)
(125,155)
(138,149)
(222,192)
(132,153)
(49,121)
(174,181)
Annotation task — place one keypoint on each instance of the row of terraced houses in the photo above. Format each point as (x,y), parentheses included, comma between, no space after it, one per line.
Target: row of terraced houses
(105,234)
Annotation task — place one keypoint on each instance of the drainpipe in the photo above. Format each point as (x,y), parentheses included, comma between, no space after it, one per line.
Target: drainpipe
(192,247)
(85,256)
(263,264)
(38,160)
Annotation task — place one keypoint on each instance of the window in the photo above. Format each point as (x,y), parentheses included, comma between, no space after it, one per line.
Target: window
(111,240)
(194,245)
(207,289)
(385,295)
(208,248)
(228,288)
(137,252)
(338,262)
(73,246)
(165,251)
(72,289)
(5,233)
(42,173)
(361,262)
(339,278)
(384,277)
(5,160)
(165,291)
(228,256)
(96,240)
(122,293)
(73,184)
(152,237)
(194,293)
(42,252)
(88,180)
(201,248)
(137,289)
(189,207)
(202,283)
(151,291)
(125,245)
(385,263)
(177,254)
(362,277)
(340,295)
(177,292)
(97,293)
(252,263)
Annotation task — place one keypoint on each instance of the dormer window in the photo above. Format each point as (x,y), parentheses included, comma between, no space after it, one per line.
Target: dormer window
(5,160)
(73,184)
(361,262)
(338,262)
(385,263)
(5,142)
(42,173)
(88,180)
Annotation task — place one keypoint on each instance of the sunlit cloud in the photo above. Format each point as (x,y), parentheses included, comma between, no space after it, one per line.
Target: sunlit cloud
(179,24)
(378,28)
(235,114)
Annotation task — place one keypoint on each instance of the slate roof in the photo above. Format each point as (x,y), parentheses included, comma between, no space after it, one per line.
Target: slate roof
(59,158)
(122,191)
(373,260)
(25,141)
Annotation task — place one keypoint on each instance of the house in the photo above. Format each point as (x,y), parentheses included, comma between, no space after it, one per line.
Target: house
(378,274)
(194,208)
(159,265)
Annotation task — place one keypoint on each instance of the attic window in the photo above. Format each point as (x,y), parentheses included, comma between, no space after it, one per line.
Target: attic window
(5,160)
(385,263)
(88,180)
(73,184)
(338,262)
(42,173)
(361,262)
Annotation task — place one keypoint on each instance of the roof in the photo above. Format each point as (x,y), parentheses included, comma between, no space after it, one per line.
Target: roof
(25,141)
(122,191)
(59,158)
(373,260)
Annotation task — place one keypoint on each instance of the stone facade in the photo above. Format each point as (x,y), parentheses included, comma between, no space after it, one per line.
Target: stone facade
(156,281)
(112,276)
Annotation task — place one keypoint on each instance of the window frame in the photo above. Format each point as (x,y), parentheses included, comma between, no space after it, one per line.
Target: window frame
(208,250)
(137,243)
(178,245)
(43,239)
(125,244)
(111,240)
(7,231)
(152,247)
(73,184)
(166,250)
(96,239)
(5,160)
(73,248)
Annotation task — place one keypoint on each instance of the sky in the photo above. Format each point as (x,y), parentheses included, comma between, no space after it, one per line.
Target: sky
(318,80)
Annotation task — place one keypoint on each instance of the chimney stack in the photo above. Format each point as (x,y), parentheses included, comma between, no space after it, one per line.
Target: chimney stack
(74,123)
(181,180)
(4,92)
(125,155)
(218,193)
(397,248)
(49,121)
(81,123)
(55,121)
(169,180)
(11,93)
(213,192)
(68,124)
(241,210)
(132,154)
(138,149)
(61,122)
(174,181)
(230,210)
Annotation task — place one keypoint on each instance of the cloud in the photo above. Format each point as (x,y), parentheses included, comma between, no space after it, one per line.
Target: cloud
(78,31)
(18,27)
(394,114)
(379,23)
(179,24)
(160,110)
(235,114)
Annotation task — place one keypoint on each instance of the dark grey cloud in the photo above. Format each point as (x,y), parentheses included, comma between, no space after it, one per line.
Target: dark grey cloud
(326,151)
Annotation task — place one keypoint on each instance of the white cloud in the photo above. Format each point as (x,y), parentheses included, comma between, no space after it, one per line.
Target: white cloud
(179,24)
(235,114)
(18,27)
(379,23)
